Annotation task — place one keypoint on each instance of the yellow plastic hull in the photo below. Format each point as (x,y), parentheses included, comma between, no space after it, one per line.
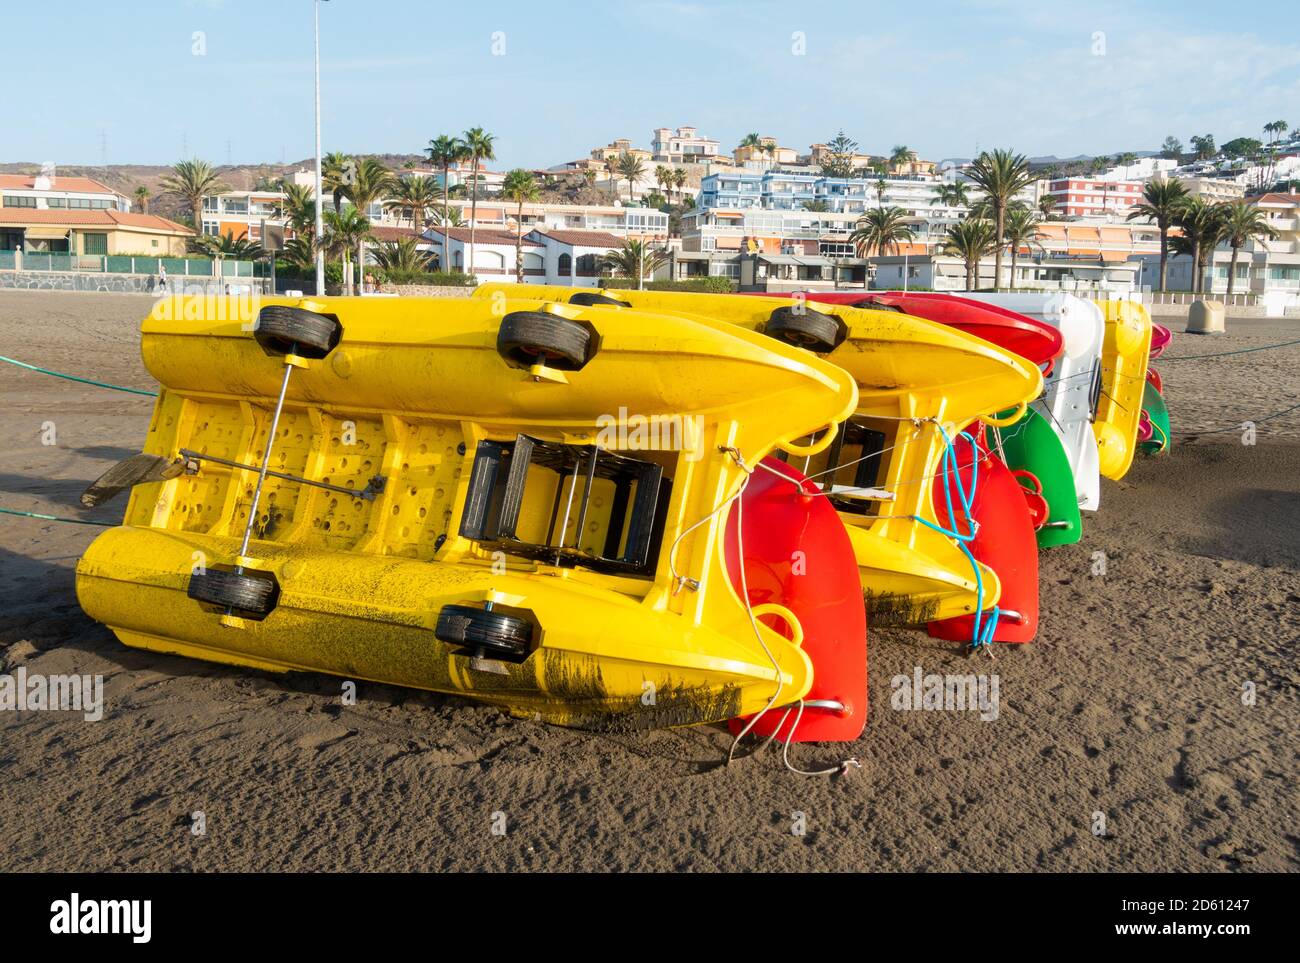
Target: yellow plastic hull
(912,375)
(1124,356)
(410,391)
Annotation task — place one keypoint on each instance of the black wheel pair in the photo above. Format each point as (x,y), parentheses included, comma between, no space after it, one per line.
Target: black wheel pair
(251,595)
(282,329)
(480,631)
(804,328)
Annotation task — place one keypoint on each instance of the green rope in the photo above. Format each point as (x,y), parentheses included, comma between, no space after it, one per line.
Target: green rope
(56,518)
(1221,354)
(85,381)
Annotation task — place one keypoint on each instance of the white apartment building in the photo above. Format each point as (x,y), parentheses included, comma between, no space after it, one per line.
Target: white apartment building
(48,191)
(683,145)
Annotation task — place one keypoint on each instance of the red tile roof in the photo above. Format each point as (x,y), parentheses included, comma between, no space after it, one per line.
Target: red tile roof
(79,185)
(1277,199)
(583,238)
(90,218)
(482,235)
(381,233)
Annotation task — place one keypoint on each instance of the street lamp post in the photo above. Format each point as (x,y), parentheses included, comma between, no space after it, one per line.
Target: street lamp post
(320,221)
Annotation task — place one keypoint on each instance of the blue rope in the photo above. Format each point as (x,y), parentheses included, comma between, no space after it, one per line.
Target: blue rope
(982,633)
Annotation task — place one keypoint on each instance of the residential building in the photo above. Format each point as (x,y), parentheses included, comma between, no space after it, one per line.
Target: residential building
(494,253)
(1085,196)
(550,256)
(683,145)
(766,154)
(90,232)
(241,214)
(943,272)
(1213,189)
(617,148)
(1266,268)
(48,191)
(819,154)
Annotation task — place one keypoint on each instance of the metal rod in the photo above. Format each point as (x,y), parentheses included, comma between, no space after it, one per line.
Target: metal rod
(366,494)
(568,507)
(266,459)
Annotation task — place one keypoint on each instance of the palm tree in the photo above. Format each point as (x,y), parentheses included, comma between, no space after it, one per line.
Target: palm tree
(402,255)
(193,180)
(344,232)
(1201,224)
(902,154)
(1242,223)
(445,151)
(1021,230)
(951,195)
(1001,175)
(479,143)
(881,229)
(221,246)
(300,251)
(520,186)
(142,198)
(298,209)
(633,259)
(816,207)
(413,196)
(445,217)
(631,169)
(664,178)
(1047,207)
(1161,202)
(971,240)
(372,182)
(679,181)
(750,140)
(335,167)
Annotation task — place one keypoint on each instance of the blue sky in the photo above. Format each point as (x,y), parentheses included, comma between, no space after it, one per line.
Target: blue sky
(946,78)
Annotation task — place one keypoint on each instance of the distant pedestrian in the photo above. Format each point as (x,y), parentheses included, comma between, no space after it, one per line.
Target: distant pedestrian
(162,276)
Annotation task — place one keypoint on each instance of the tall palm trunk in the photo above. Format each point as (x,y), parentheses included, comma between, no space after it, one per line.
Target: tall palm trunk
(1232,268)
(473,212)
(1011,281)
(519,244)
(1001,212)
(446,219)
(1164,254)
(1196,267)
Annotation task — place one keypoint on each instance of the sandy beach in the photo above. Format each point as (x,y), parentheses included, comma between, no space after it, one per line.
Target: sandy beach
(1129,703)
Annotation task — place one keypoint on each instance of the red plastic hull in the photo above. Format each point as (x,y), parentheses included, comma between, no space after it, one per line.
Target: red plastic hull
(1033,340)
(798,554)
(1004,541)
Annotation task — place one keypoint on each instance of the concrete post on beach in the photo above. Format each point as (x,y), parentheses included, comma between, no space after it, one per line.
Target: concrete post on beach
(1205,317)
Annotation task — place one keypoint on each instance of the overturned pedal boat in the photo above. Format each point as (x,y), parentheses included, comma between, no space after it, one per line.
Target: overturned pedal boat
(440,493)
(913,376)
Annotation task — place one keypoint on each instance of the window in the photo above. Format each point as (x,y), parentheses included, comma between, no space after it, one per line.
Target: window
(94,244)
(565,265)
(587,265)
(55,202)
(12,201)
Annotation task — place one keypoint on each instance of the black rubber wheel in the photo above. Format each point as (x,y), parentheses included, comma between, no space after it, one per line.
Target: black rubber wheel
(478,629)
(282,329)
(586,299)
(1094,393)
(805,328)
(247,593)
(527,338)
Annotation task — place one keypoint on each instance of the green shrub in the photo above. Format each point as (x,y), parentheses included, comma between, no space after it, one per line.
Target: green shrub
(454,279)
(699,285)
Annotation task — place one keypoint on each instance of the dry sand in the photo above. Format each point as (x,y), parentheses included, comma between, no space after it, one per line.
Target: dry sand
(1128,704)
